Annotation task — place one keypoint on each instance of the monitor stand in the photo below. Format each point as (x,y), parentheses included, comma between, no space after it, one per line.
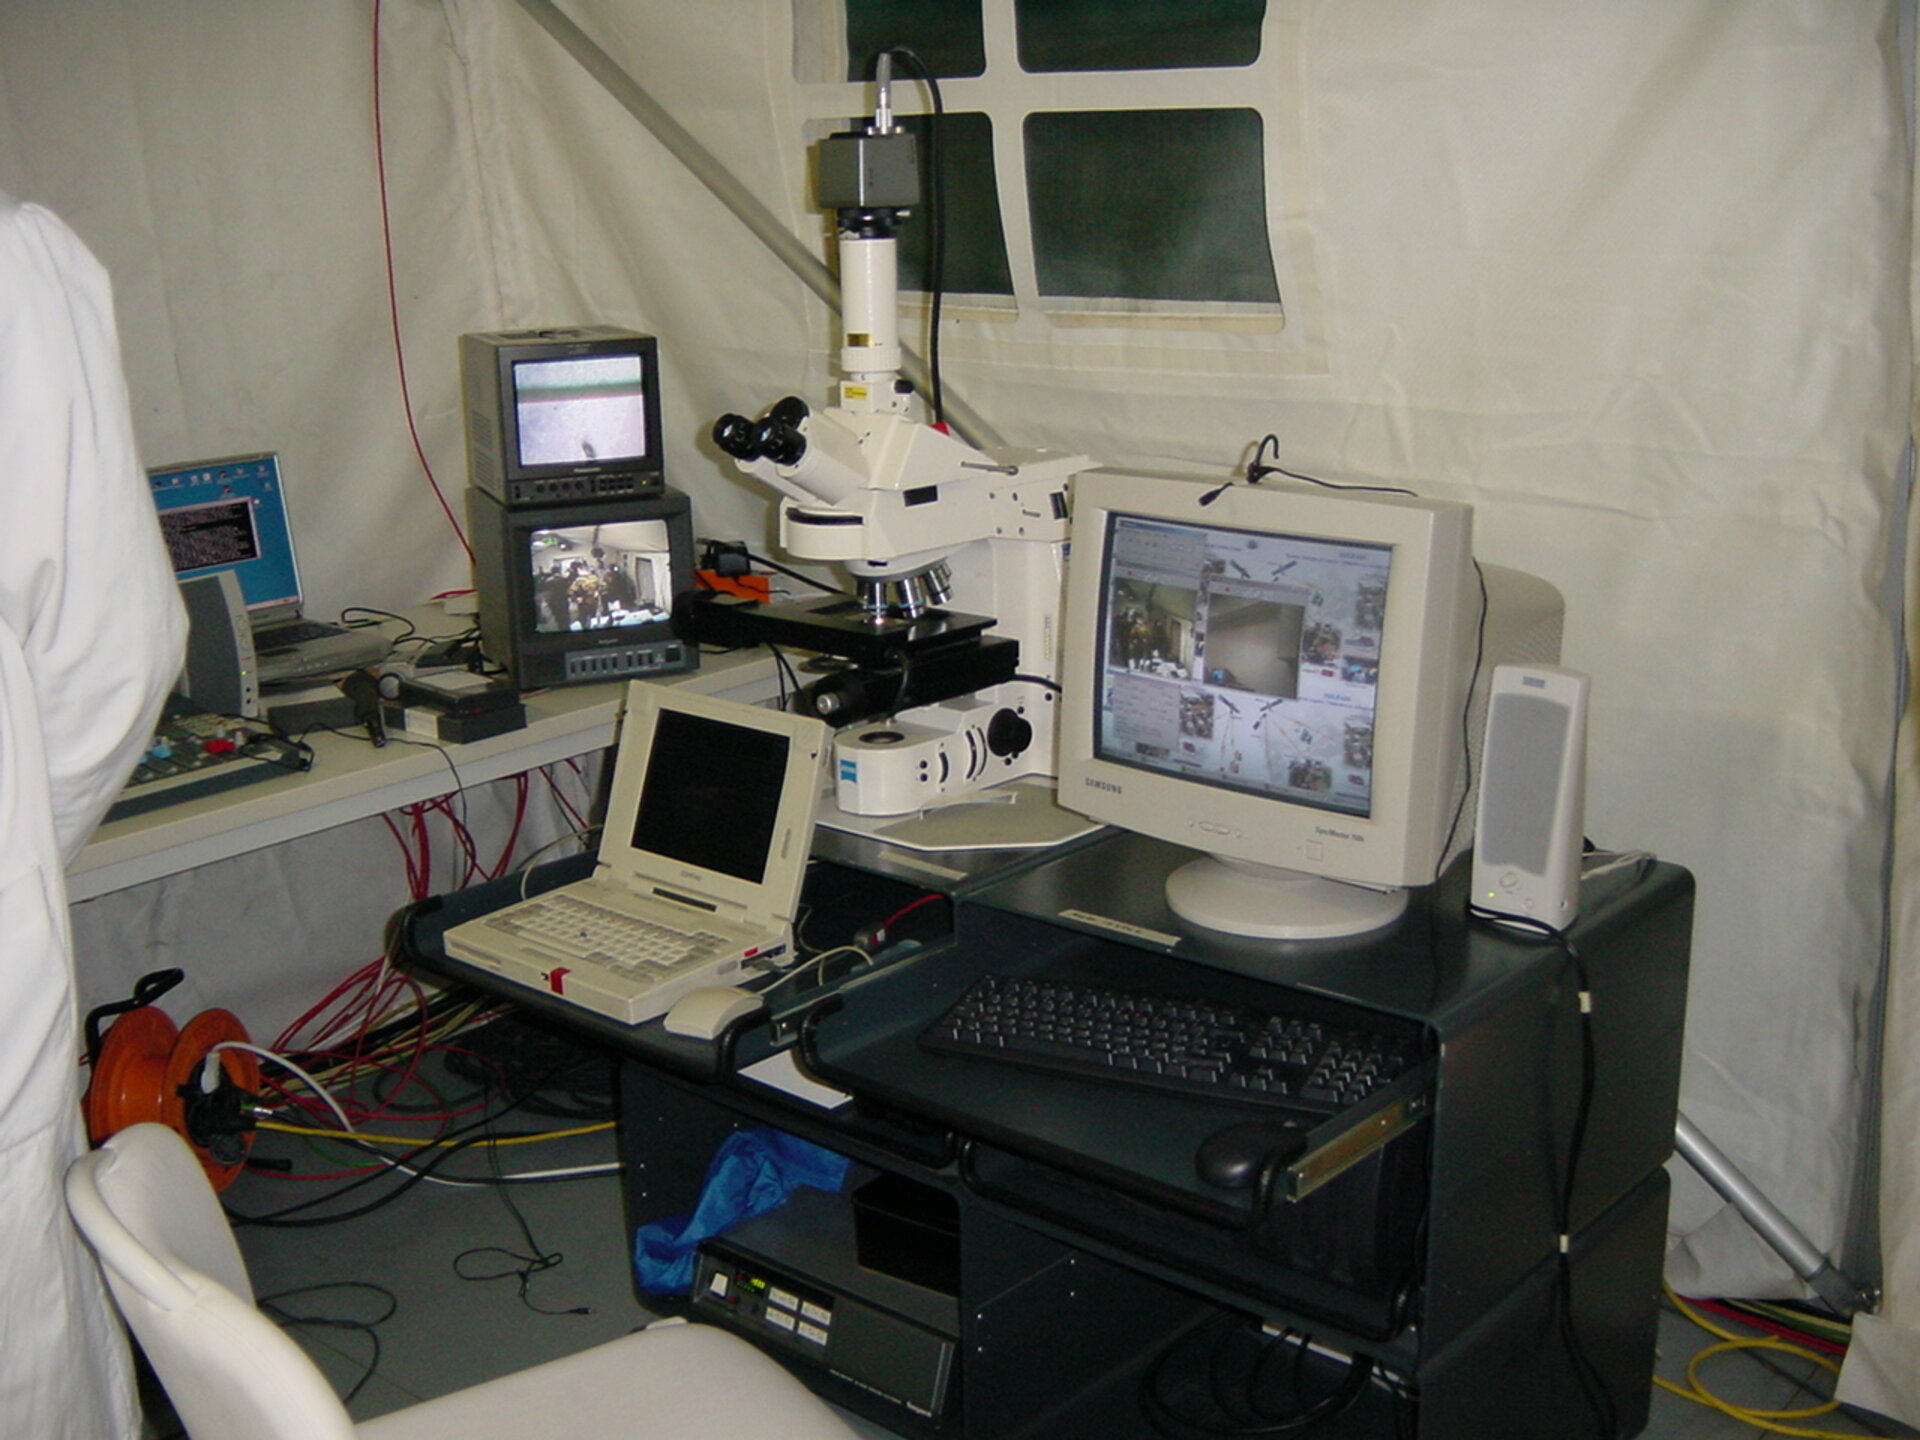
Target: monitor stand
(1269,903)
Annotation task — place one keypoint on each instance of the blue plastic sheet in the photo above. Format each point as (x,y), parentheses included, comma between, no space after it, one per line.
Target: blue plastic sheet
(752,1172)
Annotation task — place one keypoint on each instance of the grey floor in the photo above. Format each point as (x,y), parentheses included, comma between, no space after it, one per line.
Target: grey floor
(446,1331)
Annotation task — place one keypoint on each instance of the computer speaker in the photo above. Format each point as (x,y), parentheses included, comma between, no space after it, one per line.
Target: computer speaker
(1528,832)
(220,675)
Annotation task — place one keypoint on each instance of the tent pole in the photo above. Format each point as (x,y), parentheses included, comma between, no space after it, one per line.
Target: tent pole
(1840,1293)
(745,205)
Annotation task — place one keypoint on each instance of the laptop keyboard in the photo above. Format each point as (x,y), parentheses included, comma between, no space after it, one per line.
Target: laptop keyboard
(618,941)
(293,632)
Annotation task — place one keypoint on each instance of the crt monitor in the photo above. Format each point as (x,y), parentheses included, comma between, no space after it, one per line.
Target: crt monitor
(562,414)
(570,594)
(1276,675)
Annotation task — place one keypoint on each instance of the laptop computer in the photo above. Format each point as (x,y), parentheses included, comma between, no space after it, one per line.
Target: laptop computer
(709,827)
(229,514)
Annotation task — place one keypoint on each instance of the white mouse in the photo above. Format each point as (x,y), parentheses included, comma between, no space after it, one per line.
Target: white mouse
(702,1014)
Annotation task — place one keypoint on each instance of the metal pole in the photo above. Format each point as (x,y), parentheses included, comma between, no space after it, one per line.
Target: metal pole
(744,204)
(1839,1292)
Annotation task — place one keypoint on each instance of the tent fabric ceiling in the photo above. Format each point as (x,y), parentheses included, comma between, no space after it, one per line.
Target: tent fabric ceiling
(1633,279)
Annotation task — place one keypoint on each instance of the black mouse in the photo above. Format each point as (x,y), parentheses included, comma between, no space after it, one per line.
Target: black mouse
(1231,1158)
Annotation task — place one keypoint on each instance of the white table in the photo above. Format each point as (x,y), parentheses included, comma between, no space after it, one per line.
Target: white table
(352,779)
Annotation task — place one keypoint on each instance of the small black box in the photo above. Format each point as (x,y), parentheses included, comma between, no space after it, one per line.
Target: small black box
(457,692)
(435,724)
(909,1231)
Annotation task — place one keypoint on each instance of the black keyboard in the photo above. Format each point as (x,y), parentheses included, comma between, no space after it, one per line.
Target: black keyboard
(1196,1048)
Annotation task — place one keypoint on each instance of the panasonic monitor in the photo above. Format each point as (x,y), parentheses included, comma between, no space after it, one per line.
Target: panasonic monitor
(577,593)
(1276,675)
(556,415)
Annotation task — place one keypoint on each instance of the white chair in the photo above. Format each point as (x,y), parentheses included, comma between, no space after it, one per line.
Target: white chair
(145,1207)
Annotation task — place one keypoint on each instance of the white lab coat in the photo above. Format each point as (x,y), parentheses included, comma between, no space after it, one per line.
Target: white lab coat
(90,638)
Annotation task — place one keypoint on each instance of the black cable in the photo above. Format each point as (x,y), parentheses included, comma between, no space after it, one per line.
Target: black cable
(793,574)
(1257,471)
(1586,1374)
(936,227)
(789,679)
(378,617)
(369,1328)
(539,1260)
(557,1078)
(1040,680)
(1254,1418)
(1466,715)
(414,1174)
(906,682)
(397,737)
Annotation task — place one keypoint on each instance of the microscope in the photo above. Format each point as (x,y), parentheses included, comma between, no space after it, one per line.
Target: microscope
(944,658)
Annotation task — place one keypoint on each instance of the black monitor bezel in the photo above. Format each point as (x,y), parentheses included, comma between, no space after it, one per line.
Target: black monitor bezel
(512,349)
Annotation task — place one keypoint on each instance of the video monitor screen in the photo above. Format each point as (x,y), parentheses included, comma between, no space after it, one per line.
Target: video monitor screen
(600,577)
(1241,659)
(586,411)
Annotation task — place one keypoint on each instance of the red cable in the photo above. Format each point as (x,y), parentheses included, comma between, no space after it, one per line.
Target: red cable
(393,297)
(573,816)
(1776,1328)
(522,789)
(908,908)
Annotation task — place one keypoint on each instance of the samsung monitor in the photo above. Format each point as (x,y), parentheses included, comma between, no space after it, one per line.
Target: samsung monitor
(1278,676)
(569,414)
(576,593)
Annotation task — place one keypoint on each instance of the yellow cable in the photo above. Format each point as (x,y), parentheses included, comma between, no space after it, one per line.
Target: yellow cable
(419,1144)
(1767,1420)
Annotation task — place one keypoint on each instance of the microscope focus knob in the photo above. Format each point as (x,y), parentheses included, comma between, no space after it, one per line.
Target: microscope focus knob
(1009,733)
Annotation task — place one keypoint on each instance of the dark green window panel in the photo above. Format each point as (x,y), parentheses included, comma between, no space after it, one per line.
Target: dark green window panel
(976,258)
(1150,205)
(945,34)
(1137,34)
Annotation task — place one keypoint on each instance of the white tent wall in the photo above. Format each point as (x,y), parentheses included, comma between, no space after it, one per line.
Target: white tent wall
(219,159)
(1883,1363)
(1631,278)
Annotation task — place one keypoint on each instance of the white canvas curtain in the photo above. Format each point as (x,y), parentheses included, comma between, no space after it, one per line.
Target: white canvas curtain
(1634,279)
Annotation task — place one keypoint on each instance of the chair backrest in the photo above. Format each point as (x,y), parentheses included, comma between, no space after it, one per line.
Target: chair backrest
(145,1207)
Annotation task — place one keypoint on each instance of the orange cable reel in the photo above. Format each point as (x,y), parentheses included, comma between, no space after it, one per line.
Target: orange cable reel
(147,1069)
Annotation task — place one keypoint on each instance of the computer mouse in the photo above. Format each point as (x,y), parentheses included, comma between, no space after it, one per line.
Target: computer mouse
(702,1014)
(1231,1158)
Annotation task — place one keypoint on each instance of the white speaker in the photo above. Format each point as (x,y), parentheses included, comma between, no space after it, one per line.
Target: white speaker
(1533,780)
(220,673)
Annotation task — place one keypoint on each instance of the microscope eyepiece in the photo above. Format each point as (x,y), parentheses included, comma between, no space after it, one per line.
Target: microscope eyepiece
(790,411)
(734,435)
(779,441)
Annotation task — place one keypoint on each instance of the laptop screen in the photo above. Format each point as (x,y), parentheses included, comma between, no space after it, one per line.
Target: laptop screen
(712,794)
(230,515)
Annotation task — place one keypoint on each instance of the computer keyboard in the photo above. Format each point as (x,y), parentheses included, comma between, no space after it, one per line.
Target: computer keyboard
(616,964)
(1225,1052)
(625,943)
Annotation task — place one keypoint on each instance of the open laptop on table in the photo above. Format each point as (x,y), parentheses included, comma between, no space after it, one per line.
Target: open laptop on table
(230,515)
(708,831)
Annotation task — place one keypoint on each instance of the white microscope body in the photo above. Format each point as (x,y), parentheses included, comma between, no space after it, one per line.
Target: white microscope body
(922,521)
